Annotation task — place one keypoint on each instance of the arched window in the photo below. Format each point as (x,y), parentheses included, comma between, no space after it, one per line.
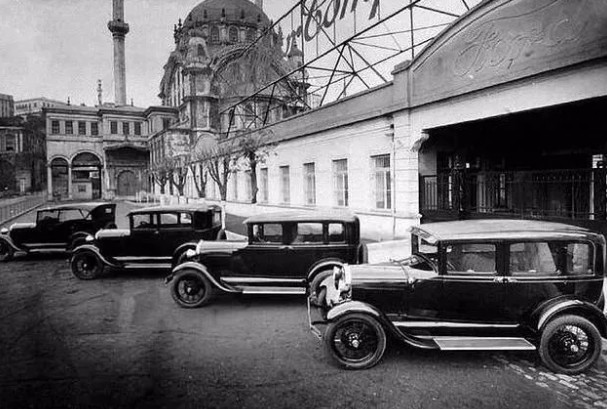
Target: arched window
(250,34)
(200,51)
(233,35)
(214,34)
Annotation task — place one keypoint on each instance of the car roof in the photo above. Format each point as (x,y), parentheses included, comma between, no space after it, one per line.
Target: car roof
(175,208)
(303,216)
(496,229)
(88,206)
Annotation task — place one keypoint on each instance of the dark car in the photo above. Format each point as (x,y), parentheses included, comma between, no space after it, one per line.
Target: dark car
(473,285)
(157,238)
(57,228)
(285,253)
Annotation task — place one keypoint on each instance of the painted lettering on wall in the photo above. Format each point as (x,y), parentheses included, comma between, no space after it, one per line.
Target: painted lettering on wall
(501,43)
(323,14)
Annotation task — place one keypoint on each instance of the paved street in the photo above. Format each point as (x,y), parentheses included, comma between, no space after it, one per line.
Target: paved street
(121,342)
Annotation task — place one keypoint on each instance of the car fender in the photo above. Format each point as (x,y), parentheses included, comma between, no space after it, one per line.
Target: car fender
(192,265)
(184,247)
(6,238)
(78,235)
(546,312)
(92,248)
(325,264)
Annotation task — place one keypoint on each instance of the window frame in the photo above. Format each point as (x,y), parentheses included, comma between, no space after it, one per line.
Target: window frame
(309,183)
(386,175)
(340,193)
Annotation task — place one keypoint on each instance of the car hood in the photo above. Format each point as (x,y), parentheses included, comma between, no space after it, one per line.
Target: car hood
(388,272)
(22,226)
(108,233)
(227,246)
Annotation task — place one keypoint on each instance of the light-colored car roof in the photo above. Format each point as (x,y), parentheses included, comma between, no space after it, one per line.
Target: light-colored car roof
(303,216)
(175,208)
(497,229)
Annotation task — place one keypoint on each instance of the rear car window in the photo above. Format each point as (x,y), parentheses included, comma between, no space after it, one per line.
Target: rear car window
(550,258)
(337,233)
(308,233)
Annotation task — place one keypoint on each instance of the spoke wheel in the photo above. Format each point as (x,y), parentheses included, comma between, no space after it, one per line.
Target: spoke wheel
(570,344)
(86,265)
(355,341)
(191,289)
(6,251)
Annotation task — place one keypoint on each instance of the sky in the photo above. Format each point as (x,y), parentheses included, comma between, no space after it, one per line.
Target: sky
(60,48)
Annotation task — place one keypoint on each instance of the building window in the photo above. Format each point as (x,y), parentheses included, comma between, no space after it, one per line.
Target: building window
(166,123)
(309,183)
(94,128)
(381,181)
(10,143)
(340,182)
(81,128)
(137,128)
(200,51)
(263,185)
(285,184)
(114,128)
(214,34)
(248,191)
(55,127)
(126,128)
(233,35)
(250,34)
(69,127)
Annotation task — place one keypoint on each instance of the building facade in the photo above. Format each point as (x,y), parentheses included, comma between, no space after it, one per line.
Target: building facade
(498,117)
(7,106)
(34,106)
(22,158)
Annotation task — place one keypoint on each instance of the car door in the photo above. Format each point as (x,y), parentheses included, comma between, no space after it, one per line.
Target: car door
(473,283)
(305,246)
(267,255)
(176,228)
(46,234)
(143,243)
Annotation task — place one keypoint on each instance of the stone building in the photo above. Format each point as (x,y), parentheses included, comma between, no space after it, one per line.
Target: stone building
(34,106)
(205,75)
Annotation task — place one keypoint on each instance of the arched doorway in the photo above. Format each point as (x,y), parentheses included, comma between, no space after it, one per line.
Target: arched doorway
(86,176)
(59,172)
(127,183)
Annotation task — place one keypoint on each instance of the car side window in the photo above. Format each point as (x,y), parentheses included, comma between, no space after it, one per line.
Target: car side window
(337,233)
(70,214)
(532,259)
(143,221)
(270,233)
(169,220)
(185,220)
(48,217)
(308,233)
(471,259)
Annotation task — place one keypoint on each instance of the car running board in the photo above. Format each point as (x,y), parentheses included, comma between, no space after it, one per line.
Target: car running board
(271,290)
(483,343)
(135,266)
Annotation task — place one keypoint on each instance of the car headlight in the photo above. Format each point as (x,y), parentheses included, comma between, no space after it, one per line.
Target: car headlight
(342,278)
(4,230)
(338,274)
(89,238)
(190,253)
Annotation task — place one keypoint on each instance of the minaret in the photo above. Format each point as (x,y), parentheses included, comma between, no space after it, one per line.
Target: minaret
(119,29)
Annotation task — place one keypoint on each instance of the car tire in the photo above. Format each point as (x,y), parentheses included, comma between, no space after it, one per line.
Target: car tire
(570,344)
(316,292)
(355,341)
(6,251)
(86,265)
(191,289)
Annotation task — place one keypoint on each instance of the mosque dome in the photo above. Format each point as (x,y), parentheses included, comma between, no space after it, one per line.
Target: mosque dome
(229,10)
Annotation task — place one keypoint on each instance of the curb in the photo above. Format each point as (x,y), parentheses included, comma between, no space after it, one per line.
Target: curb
(21,214)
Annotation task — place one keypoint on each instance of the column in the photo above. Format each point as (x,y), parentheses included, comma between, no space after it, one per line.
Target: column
(69,181)
(49,181)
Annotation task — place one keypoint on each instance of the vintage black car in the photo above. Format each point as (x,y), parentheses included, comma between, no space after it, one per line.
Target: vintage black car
(157,238)
(57,229)
(285,254)
(473,285)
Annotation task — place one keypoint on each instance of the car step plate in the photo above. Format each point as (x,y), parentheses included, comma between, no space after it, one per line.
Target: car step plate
(483,343)
(273,290)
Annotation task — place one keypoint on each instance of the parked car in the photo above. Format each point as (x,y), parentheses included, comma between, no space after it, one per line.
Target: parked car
(157,238)
(285,253)
(57,228)
(473,285)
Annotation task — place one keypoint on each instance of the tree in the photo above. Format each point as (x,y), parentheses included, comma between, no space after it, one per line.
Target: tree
(200,176)
(162,172)
(219,158)
(255,149)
